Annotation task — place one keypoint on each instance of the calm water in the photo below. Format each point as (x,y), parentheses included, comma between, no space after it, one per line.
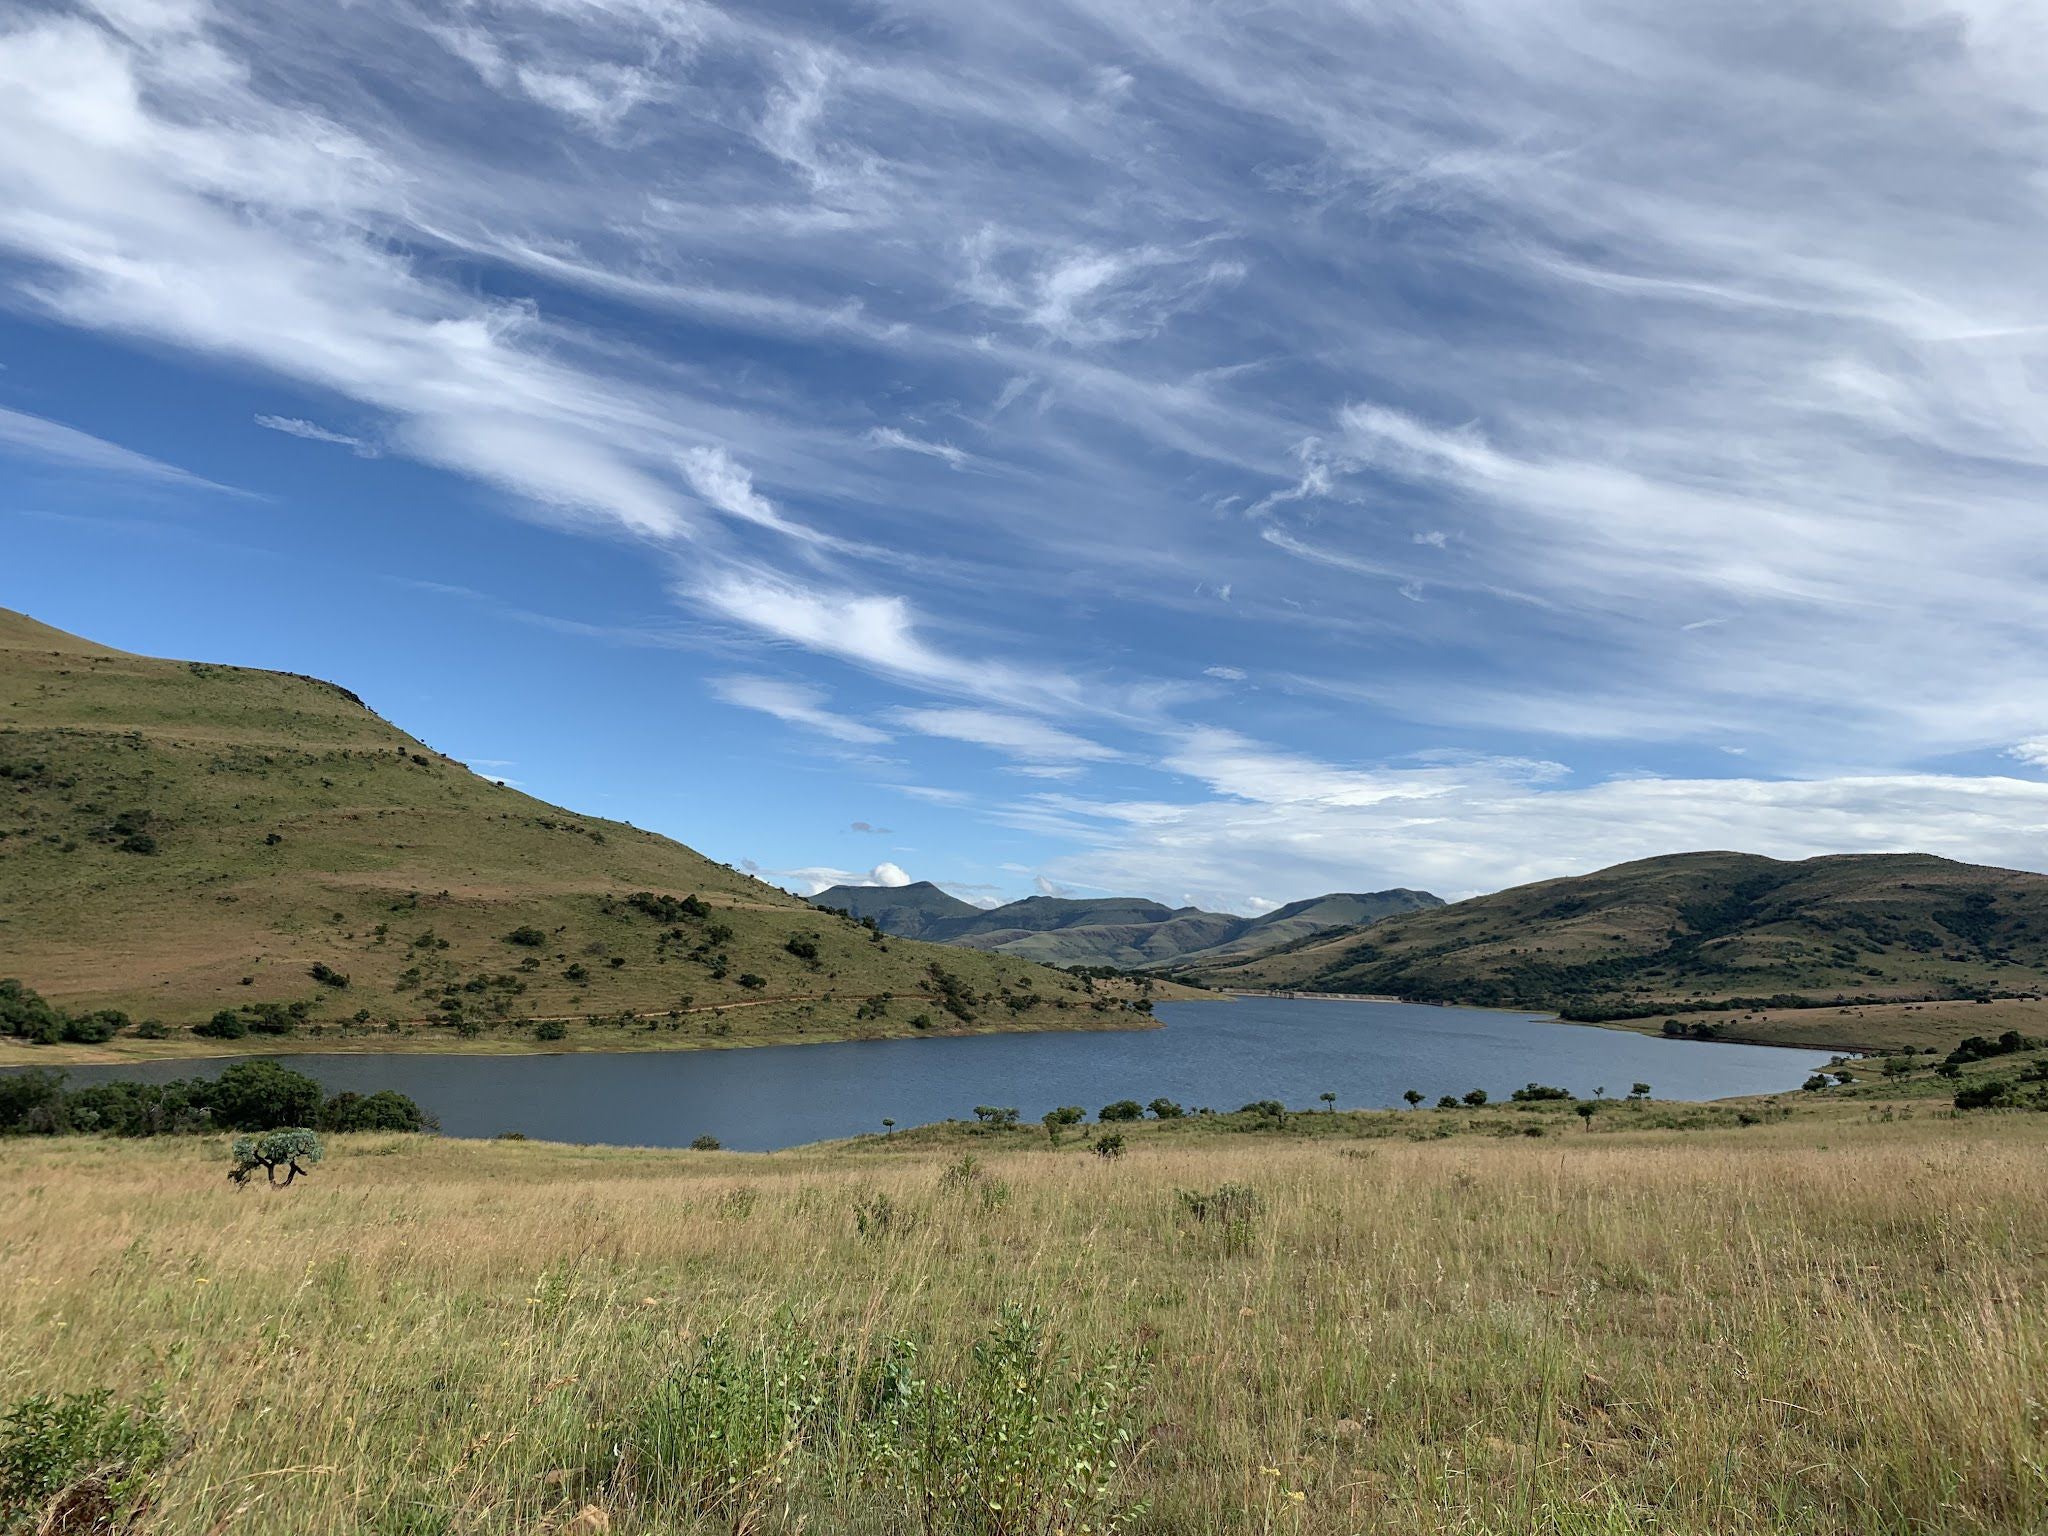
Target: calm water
(1214,1054)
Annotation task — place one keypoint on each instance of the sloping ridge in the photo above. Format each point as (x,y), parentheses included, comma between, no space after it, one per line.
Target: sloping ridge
(1662,934)
(178,837)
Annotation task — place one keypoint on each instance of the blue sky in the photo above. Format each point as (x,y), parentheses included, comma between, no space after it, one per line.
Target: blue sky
(1217,452)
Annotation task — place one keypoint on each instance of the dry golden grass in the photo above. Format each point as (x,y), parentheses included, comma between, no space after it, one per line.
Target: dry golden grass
(1821,1327)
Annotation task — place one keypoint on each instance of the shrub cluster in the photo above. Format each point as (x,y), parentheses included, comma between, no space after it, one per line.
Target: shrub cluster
(25,1015)
(247,1096)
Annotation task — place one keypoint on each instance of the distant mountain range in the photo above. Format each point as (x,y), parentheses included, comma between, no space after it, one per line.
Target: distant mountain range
(1124,931)
(1687,930)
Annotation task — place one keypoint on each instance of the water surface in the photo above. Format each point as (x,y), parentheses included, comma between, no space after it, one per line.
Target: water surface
(1215,1054)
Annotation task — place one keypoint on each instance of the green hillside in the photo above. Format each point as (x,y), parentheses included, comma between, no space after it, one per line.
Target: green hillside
(1666,935)
(1124,931)
(179,838)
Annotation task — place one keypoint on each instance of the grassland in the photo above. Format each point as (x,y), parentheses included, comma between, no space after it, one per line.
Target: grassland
(179,838)
(1832,1322)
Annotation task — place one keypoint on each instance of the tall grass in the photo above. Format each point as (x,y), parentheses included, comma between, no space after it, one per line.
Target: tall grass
(1800,1328)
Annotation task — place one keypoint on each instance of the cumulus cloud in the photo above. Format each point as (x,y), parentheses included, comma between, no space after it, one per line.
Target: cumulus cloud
(1461,830)
(814,878)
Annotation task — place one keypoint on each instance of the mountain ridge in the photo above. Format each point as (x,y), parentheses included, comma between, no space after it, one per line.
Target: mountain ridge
(1702,929)
(1129,932)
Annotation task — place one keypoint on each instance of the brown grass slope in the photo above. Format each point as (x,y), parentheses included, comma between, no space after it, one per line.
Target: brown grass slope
(1698,929)
(177,837)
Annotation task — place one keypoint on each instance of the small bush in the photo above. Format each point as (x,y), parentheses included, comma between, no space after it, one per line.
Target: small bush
(717,1436)
(527,937)
(706,1143)
(1230,1210)
(327,975)
(877,1216)
(1122,1109)
(551,1029)
(1109,1145)
(78,1463)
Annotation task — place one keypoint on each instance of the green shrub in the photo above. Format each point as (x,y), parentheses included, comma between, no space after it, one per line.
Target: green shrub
(1020,1440)
(719,1435)
(705,1143)
(78,1463)
(263,1096)
(224,1025)
(526,936)
(1110,1144)
(1165,1109)
(1122,1109)
(551,1029)
(384,1110)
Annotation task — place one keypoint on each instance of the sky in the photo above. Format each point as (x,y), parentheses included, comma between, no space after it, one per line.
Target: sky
(1217,452)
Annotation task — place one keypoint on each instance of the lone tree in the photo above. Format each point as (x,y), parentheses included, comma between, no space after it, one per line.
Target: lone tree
(1639,1091)
(1057,1120)
(289,1149)
(1412,1097)
(1329,1102)
(1476,1097)
(1586,1109)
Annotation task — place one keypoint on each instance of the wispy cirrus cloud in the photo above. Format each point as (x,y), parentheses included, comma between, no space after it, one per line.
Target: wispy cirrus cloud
(1670,393)
(53,442)
(313,432)
(796,704)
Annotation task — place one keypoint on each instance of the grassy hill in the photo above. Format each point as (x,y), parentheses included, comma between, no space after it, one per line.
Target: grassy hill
(1693,931)
(1125,931)
(178,838)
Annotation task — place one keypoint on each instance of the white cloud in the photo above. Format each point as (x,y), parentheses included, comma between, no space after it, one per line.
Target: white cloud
(40,438)
(795,704)
(1461,831)
(2033,751)
(1016,735)
(814,878)
(1227,674)
(313,432)
(892,437)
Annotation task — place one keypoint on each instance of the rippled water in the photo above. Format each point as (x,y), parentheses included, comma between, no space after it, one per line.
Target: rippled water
(1215,1054)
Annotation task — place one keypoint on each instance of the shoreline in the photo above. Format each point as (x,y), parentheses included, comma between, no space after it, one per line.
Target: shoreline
(18,1056)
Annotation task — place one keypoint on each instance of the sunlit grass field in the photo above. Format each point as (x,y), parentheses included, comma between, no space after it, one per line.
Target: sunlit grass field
(1836,1323)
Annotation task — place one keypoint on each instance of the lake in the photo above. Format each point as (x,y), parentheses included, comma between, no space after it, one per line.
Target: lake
(1215,1054)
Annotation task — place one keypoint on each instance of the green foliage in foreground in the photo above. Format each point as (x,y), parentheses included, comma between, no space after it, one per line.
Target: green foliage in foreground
(1017,1438)
(80,1463)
